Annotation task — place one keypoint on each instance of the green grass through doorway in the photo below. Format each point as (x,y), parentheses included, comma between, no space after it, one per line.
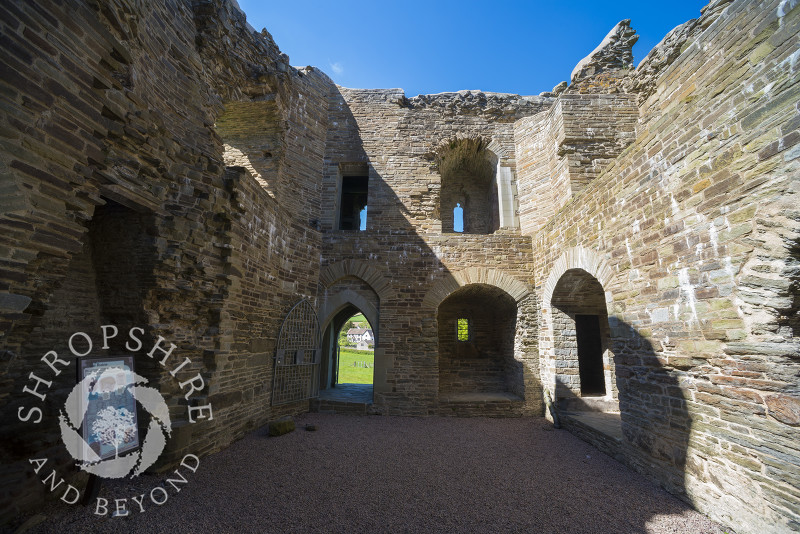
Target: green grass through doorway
(356,374)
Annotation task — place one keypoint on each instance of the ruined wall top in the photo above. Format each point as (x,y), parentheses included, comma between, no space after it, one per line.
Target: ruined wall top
(241,62)
(499,107)
(613,53)
(659,59)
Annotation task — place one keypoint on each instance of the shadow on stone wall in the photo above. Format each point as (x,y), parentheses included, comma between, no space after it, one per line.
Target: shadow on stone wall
(655,419)
(652,430)
(396,248)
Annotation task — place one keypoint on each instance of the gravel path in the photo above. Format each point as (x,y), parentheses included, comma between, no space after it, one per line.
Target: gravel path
(400,474)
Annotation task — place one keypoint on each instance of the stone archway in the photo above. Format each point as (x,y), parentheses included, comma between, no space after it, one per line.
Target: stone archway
(359,269)
(344,295)
(475,275)
(477,326)
(575,349)
(333,305)
(516,388)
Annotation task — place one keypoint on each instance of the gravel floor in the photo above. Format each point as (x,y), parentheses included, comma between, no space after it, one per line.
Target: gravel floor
(400,474)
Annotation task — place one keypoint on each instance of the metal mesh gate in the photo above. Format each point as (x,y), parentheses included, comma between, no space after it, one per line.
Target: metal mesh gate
(296,374)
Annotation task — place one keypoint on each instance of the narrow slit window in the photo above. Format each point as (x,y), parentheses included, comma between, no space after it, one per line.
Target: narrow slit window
(462,331)
(458,218)
(352,210)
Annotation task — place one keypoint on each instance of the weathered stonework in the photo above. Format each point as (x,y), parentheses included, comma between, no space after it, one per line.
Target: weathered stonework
(162,166)
(117,207)
(691,233)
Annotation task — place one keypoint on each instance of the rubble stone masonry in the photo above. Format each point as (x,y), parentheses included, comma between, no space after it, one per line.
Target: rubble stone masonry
(693,232)
(163,166)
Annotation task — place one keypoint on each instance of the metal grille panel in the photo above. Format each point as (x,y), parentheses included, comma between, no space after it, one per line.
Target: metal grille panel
(296,374)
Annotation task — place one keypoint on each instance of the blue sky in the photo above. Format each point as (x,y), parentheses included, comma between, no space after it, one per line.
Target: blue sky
(435,46)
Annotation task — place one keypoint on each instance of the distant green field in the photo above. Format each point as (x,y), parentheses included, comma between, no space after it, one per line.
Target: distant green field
(348,374)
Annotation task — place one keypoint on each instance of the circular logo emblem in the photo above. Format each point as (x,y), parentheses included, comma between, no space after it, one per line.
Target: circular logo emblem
(104,404)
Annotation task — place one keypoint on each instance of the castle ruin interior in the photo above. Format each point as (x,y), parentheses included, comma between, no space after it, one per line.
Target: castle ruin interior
(622,251)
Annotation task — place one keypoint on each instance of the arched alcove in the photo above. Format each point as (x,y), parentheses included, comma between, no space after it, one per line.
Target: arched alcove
(477,325)
(581,341)
(468,174)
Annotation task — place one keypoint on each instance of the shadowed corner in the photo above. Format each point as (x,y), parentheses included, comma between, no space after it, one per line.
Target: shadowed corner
(611,387)
(650,430)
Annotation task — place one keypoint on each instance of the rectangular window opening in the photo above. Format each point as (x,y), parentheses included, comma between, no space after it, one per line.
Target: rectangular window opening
(463,329)
(353,205)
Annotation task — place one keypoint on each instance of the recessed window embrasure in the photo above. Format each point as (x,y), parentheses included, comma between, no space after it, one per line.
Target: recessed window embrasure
(462,329)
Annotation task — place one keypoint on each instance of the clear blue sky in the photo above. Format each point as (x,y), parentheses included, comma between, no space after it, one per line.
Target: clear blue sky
(435,46)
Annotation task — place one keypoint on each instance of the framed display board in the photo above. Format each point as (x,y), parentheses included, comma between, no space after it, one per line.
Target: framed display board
(110,425)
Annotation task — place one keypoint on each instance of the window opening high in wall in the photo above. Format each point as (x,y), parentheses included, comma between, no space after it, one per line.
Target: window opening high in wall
(468,198)
(458,218)
(353,206)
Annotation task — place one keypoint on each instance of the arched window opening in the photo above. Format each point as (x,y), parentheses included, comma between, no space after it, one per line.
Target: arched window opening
(362,215)
(458,218)
(462,332)
(468,172)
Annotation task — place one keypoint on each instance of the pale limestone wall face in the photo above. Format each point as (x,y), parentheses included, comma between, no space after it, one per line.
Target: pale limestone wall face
(692,234)
(562,150)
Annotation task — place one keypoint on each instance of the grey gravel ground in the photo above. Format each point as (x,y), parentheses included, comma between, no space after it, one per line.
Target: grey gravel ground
(401,474)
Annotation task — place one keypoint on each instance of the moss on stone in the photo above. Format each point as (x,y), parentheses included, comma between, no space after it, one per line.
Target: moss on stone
(281,427)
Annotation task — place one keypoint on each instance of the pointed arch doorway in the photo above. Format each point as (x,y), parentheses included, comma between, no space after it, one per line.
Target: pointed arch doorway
(350,335)
(352,341)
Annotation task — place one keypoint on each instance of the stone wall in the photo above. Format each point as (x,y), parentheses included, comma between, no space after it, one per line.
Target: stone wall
(559,152)
(99,138)
(198,195)
(692,232)
(395,139)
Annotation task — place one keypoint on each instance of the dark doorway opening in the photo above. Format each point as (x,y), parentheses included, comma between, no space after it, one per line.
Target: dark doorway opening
(590,354)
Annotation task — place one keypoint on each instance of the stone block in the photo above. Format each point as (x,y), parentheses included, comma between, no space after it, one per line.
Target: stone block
(10,302)
(784,408)
(281,427)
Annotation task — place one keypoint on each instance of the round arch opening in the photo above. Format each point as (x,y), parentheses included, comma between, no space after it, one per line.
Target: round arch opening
(477,326)
(581,342)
